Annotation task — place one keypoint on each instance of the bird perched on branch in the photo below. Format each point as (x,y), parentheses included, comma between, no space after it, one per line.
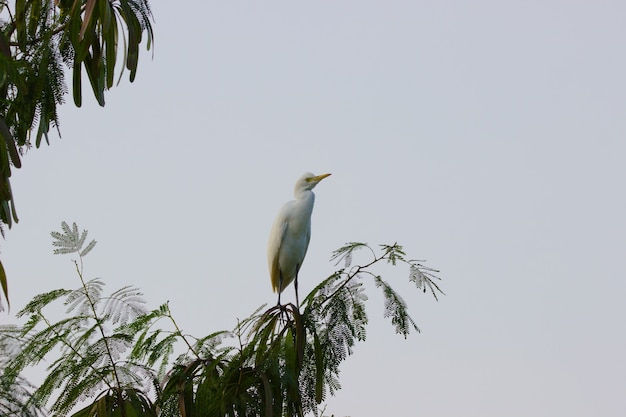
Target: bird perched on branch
(290,235)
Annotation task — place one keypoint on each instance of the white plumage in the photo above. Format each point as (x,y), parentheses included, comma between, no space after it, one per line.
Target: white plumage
(290,235)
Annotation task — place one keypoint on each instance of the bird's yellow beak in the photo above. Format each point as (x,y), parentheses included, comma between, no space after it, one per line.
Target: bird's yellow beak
(317,178)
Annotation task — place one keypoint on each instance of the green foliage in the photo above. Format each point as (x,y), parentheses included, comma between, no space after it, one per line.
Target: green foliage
(112,357)
(39,39)
(87,345)
(4,285)
(15,391)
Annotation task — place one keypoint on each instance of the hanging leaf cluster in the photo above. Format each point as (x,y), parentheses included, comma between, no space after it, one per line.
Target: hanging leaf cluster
(39,40)
(109,356)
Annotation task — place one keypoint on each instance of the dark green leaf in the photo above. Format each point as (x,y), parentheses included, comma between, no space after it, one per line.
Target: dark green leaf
(9,144)
(20,23)
(76,78)
(4,284)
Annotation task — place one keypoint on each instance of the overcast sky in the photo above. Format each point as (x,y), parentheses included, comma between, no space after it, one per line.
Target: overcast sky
(487,137)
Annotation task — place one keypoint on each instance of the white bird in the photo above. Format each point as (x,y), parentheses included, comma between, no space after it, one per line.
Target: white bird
(290,235)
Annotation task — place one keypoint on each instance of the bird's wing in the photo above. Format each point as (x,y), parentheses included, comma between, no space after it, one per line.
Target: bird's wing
(277,235)
(307,239)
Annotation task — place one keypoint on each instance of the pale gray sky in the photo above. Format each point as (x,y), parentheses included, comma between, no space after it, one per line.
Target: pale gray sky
(487,137)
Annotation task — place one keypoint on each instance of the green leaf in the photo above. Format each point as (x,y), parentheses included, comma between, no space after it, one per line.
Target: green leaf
(13,211)
(134,38)
(267,393)
(4,284)
(76,79)
(109,35)
(44,127)
(95,72)
(87,18)
(20,23)
(9,143)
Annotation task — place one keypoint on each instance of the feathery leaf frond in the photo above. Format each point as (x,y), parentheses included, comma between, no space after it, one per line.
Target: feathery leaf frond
(124,305)
(344,253)
(395,307)
(70,240)
(114,354)
(423,277)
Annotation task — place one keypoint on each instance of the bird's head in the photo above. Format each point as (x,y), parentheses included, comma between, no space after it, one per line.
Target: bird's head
(308,181)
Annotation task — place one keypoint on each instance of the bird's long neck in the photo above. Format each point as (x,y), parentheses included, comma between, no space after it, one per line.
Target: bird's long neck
(305,199)
(304,195)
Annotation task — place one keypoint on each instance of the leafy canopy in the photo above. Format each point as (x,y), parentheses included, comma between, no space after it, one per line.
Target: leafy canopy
(39,41)
(113,357)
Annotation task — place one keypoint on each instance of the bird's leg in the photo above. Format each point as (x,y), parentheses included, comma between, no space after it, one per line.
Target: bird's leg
(295,284)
